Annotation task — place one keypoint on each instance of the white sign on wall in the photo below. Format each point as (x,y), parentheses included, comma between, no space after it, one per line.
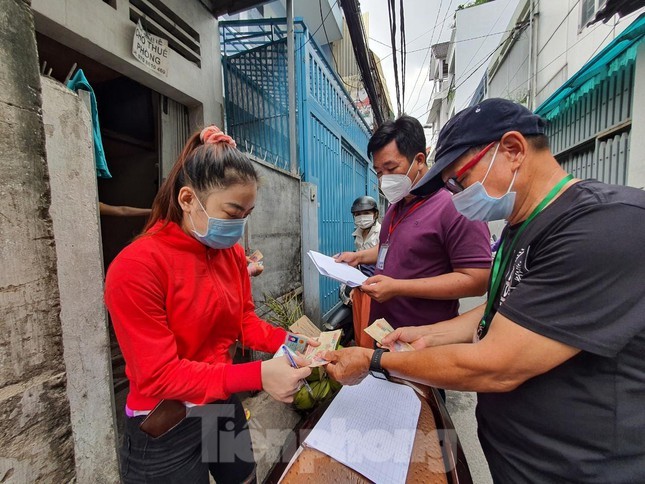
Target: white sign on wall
(150,50)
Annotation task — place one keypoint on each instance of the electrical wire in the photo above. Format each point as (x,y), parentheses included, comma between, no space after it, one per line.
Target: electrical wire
(567,50)
(455,42)
(321,24)
(392,21)
(331,49)
(558,27)
(443,22)
(518,27)
(480,45)
(404,55)
(428,49)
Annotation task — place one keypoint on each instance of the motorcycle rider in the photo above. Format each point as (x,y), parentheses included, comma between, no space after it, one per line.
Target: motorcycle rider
(365,212)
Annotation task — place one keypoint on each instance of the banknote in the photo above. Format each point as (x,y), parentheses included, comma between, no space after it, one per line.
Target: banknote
(296,344)
(256,256)
(328,342)
(380,328)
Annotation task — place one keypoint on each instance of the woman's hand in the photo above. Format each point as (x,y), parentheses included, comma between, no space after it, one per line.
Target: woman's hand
(281,380)
(254,269)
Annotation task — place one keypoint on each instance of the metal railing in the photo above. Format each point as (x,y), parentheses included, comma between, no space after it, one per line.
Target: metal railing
(332,135)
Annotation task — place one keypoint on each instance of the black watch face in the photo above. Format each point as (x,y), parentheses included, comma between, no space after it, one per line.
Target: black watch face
(378,374)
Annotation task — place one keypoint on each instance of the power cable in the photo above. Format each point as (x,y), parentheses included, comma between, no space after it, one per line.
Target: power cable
(392,21)
(455,42)
(481,44)
(558,27)
(443,22)
(518,27)
(569,48)
(428,49)
(321,25)
(331,49)
(404,55)
(591,30)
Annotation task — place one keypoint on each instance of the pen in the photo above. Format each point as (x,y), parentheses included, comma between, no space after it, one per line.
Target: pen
(293,363)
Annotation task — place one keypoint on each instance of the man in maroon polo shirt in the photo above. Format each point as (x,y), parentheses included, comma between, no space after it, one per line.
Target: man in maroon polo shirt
(429,255)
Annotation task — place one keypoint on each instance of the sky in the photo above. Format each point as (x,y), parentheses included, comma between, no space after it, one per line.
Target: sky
(427,22)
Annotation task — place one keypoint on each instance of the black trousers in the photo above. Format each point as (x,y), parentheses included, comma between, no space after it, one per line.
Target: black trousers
(213,439)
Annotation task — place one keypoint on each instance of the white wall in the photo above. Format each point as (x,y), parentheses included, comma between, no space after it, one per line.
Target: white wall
(562,48)
(104,34)
(510,79)
(475,40)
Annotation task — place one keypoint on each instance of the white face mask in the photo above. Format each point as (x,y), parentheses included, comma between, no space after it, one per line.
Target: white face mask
(475,203)
(396,187)
(364,221)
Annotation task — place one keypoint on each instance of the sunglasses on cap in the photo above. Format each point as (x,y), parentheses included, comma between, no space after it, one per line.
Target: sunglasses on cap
(453,184)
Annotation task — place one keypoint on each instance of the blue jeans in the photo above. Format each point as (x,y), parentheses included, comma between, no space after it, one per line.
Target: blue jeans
(213,439)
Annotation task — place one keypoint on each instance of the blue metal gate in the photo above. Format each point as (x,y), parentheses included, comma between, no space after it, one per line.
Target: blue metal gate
(332,135)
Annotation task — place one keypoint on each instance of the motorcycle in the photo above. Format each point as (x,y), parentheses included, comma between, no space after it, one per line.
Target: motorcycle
(340,316)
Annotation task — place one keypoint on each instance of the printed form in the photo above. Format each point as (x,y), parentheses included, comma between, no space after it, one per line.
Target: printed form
(340,271)
(370,427)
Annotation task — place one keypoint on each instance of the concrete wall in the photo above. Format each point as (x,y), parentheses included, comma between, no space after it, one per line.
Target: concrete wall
(74,211)
(274,229)
(105,34)
(35,432)
(309,208)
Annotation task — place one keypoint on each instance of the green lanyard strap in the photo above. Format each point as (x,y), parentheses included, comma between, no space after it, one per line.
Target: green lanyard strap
(501,260)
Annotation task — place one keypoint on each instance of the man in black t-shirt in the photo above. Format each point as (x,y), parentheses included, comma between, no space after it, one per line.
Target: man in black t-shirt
(557,354)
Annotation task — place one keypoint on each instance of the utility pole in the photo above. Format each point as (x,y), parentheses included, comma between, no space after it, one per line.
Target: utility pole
(291,87)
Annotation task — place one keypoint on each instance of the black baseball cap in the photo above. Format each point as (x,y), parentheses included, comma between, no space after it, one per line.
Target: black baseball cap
(475,126)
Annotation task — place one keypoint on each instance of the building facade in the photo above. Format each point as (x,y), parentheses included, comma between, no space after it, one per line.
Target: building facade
(584,78)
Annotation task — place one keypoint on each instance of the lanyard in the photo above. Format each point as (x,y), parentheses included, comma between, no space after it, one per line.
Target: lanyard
(501,260)
(408,212)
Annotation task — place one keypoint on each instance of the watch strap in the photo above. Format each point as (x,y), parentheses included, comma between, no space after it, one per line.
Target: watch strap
(375,362)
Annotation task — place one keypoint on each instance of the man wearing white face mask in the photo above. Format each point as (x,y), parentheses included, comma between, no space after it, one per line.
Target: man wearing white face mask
(428,255)
(365,212)
(556,353)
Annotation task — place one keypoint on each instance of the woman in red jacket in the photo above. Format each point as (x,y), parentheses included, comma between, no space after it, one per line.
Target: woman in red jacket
(180,297)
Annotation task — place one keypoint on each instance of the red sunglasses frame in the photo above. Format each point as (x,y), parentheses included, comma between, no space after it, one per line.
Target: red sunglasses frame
(453,183)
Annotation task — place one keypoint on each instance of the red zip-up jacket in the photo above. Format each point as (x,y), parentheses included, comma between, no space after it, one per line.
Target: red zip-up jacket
(177,307)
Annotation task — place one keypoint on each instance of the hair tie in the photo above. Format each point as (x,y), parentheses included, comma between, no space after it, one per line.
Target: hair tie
(213,135)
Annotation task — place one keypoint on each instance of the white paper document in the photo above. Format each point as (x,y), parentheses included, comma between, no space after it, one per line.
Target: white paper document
(342,272)
(370,427)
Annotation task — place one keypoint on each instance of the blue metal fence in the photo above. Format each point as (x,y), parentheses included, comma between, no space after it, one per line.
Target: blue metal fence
(332,135)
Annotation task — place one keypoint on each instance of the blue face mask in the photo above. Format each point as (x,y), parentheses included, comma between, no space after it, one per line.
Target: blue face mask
(220,233)
(475,203)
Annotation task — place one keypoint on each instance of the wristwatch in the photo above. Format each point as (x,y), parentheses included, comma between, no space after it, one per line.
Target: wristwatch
(376,370)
